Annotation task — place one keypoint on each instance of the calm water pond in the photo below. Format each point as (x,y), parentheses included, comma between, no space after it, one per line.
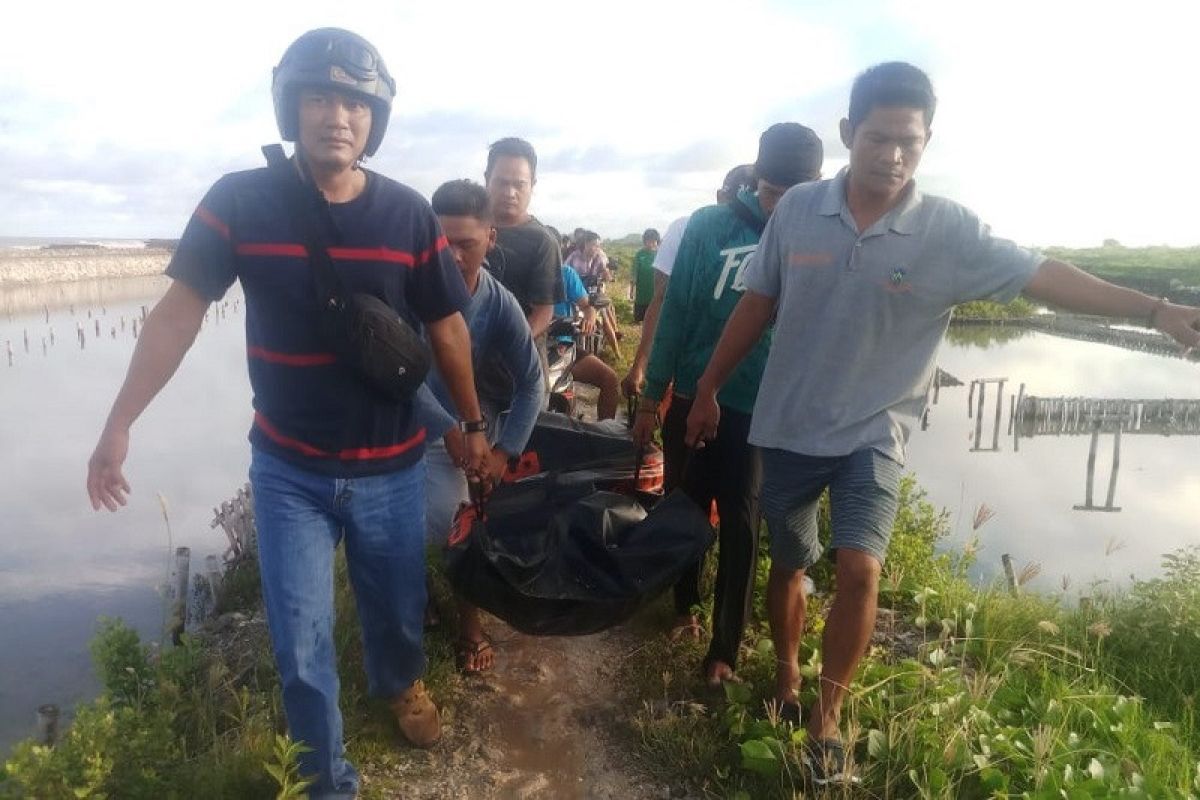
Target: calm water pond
(62,565)
(1034,488)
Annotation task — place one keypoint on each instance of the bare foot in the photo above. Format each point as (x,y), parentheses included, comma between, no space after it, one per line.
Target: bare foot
(787,680)
(686,628)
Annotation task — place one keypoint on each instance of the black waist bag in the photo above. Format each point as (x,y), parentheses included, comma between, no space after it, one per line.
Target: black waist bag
(553,556)
(369,337)
(365,333)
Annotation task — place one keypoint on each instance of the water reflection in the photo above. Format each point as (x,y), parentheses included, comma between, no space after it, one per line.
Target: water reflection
(78,295)
(984,336)
(1058,454)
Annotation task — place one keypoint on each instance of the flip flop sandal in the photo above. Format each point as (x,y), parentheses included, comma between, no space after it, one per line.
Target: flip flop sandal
(826,762)
(467,652)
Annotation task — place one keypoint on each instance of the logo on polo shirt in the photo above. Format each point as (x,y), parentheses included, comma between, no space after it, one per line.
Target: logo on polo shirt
(897,282)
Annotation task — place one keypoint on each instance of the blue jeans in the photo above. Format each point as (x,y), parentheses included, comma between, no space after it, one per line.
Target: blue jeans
(301,516)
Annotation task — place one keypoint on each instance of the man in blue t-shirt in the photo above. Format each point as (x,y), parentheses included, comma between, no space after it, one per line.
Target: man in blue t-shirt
(588,368)
(331,457)
(498,332)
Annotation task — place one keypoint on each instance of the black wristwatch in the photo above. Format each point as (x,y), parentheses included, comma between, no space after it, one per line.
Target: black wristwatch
(475,426)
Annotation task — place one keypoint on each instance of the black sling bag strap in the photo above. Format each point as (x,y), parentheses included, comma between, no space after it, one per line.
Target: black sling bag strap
(363,331)
(747,216)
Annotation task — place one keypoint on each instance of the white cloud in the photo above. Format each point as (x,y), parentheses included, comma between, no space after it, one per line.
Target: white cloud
(1060,122)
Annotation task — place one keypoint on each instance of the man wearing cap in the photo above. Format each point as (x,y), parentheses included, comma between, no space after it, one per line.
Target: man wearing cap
(332,458)
(859,276)
(738,178)
(704,288)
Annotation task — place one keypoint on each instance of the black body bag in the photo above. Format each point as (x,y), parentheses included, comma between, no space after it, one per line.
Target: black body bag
(553,556)
(365,333)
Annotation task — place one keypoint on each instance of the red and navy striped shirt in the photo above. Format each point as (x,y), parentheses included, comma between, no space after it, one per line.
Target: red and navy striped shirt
(308,408)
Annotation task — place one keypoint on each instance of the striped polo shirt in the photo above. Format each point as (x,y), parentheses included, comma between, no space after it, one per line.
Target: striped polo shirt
(308,408)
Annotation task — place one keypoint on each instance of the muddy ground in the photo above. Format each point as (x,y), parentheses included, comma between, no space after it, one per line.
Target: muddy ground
(549,721)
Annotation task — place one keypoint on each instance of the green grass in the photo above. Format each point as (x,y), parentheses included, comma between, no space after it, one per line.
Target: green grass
(1005,696)
(1154,270)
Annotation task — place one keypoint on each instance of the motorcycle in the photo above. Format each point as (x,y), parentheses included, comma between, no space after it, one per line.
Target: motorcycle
(562,351)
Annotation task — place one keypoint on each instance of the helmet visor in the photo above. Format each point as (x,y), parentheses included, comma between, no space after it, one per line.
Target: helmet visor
(358,60)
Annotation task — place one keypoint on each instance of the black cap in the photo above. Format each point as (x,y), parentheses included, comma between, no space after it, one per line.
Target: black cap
(789,153)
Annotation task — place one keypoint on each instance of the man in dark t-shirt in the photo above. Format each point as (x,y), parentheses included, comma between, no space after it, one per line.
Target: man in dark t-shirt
(528,260)
(332,459)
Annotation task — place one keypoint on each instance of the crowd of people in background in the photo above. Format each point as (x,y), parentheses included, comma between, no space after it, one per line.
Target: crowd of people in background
(788,338)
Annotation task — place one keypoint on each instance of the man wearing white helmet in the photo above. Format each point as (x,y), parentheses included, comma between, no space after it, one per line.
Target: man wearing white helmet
(332,456)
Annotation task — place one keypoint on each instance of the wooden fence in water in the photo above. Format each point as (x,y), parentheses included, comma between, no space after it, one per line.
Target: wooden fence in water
(1078,416)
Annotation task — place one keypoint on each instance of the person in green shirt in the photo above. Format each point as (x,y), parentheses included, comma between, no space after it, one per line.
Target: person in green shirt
(705,286)
(642,286)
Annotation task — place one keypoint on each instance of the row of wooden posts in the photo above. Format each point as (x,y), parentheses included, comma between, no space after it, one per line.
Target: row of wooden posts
(235,517)
(219,312)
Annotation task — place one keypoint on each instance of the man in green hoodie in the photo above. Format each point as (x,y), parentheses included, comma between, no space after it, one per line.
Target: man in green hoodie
(704,288)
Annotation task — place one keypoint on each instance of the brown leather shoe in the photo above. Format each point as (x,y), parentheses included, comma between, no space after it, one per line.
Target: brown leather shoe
(418,717)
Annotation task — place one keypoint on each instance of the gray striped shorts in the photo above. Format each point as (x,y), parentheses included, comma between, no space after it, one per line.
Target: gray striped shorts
(864,489)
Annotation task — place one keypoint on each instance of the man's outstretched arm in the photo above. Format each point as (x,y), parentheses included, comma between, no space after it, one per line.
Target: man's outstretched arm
(166,337)
(1066,286)
(742,331)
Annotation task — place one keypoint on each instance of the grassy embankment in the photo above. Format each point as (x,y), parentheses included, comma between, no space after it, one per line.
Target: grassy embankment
(974,692)
(980,694)
(1160,271)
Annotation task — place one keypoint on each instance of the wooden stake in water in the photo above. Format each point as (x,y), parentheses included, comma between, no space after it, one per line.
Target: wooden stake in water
(212,568)
(1112,477)
(47,725)
(979,414)
(999,408)
(179,602)
(1091,466)
(1010,575)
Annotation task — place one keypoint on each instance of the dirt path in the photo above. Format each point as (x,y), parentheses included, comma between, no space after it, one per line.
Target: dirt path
(548,722)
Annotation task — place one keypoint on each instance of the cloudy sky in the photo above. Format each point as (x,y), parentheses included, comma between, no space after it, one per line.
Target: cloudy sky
(1060,122)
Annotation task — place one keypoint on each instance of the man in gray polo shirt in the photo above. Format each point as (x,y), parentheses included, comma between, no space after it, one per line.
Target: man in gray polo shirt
(864,272)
